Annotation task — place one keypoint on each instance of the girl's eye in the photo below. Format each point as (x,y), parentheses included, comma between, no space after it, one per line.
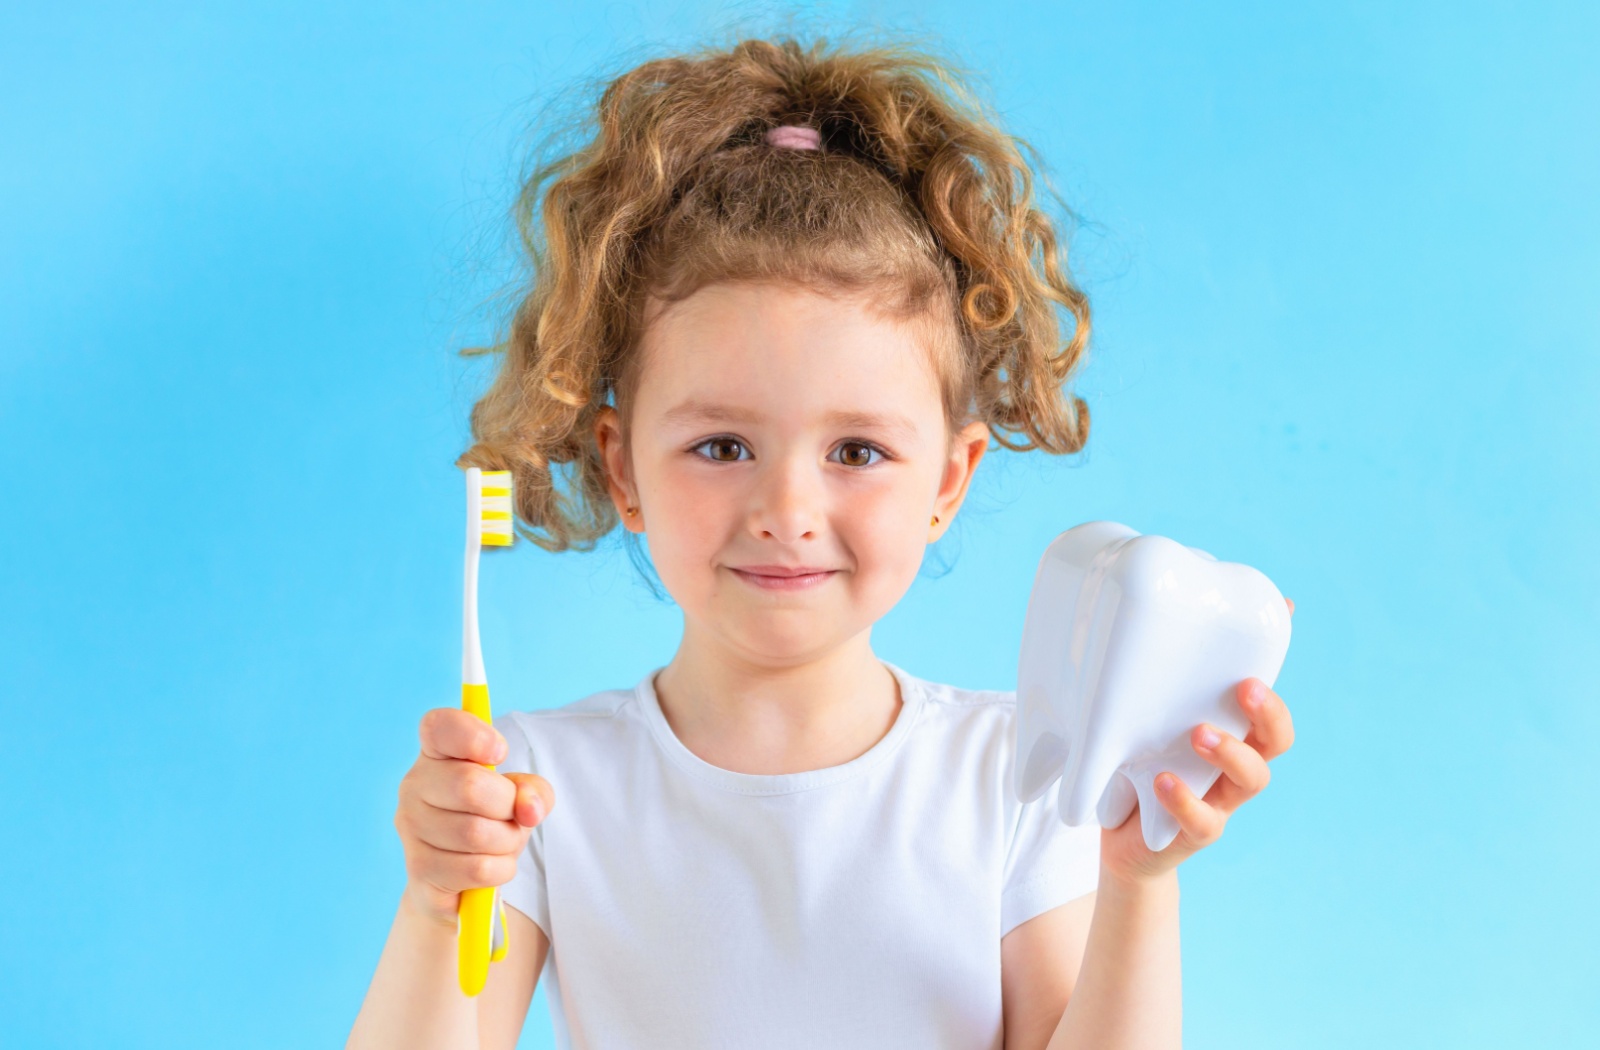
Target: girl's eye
(724,444)
(858,454)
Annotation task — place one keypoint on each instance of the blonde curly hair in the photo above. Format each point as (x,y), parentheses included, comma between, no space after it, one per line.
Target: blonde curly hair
(914,195)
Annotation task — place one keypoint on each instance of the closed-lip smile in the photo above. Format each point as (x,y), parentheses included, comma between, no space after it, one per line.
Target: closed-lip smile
(783,577)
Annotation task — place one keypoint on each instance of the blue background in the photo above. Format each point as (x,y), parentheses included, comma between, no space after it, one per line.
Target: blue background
(1344,261)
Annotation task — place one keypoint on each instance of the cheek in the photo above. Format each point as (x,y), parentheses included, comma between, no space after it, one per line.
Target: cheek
(686,521)
(886,530)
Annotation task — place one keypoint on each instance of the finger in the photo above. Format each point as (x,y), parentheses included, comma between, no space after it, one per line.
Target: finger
(454,872)
(1271,728)
(466,787)
(1244,771)
(450,732)
(1291,605)
(1199,821)
(465,832)
(535,797)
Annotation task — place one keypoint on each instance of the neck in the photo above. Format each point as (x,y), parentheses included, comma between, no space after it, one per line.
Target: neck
(751,715)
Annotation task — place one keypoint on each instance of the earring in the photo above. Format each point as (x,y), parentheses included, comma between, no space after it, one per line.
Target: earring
(935,519)
(633,510)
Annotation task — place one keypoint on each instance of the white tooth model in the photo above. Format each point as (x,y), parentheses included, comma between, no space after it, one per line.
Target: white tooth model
(1130,642)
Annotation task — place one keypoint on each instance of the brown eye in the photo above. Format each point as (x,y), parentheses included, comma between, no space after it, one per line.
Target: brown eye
(730,449)
(856,454)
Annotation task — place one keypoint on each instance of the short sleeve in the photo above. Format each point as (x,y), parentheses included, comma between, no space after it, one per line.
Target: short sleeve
(527,890)
(1048,863)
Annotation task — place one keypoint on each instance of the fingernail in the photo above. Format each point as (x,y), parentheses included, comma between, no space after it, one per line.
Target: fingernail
(1166,782)
(537,805)
(499,751)
(1209,738)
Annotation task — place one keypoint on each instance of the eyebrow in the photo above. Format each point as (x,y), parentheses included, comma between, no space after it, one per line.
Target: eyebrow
(695,411)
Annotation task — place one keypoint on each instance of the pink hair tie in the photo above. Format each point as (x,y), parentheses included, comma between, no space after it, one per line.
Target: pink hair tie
(794,136)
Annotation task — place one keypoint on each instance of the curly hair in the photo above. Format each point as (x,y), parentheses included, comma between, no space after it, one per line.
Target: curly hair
(914,195)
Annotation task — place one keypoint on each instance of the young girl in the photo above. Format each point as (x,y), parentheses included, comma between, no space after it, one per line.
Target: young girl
(783,300)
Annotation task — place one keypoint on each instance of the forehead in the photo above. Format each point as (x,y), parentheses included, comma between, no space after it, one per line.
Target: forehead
(768,351)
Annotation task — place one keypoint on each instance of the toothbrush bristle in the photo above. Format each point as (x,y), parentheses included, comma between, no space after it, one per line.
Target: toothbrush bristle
(495,509)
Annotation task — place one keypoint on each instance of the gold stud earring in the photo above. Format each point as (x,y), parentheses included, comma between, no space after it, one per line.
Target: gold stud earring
(633,510)
(936,519)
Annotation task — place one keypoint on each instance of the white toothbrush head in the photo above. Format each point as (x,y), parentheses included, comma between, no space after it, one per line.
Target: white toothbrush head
(488,525)
(489,507)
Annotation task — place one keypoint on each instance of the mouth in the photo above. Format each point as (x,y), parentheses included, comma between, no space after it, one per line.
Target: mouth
(782,577)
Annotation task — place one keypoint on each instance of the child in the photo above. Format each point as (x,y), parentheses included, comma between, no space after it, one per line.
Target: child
(783,300)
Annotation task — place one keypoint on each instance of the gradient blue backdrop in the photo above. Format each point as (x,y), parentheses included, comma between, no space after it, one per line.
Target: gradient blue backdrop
(1344,260)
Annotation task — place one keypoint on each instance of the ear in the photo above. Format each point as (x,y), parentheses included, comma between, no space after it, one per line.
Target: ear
(966,451)
(619,482)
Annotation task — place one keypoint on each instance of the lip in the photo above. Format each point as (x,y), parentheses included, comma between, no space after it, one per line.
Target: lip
(783,577)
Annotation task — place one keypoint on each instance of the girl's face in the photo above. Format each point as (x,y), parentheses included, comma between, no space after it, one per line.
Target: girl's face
(774,431)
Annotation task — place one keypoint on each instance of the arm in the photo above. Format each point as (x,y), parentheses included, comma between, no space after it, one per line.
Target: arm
(503,1003)
(461,826)
(1129,995)
(414,999)
(1039,966)
(1131,990)
(1100,971)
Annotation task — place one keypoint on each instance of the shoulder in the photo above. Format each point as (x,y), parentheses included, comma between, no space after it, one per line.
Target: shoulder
(968,708)
(597,717)
(973,733)
(960,699)
(606,703)
(972,729)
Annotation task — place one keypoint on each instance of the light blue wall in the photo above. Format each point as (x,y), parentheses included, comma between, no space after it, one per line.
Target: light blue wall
(1344,260)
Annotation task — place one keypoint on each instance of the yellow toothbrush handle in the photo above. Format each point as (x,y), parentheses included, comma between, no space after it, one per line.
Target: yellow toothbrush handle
(476,943)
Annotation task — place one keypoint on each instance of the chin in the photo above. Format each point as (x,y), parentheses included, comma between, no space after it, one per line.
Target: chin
(783,638)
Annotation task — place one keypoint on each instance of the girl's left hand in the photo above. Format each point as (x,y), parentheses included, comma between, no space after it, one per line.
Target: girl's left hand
(1244,773)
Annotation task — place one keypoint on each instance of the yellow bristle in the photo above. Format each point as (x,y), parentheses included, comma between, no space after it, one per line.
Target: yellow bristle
(494,509)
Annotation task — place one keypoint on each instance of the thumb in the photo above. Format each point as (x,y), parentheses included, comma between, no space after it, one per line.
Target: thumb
(535,798)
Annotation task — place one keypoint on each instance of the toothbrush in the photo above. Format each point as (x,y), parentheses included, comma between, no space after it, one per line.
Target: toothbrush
(480,916)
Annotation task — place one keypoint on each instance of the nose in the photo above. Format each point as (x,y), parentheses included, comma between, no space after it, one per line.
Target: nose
(787,502)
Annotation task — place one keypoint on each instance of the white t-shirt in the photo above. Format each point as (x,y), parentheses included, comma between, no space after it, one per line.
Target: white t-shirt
(861,905)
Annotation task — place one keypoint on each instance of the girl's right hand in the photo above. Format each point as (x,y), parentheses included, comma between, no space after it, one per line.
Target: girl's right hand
(462,826)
